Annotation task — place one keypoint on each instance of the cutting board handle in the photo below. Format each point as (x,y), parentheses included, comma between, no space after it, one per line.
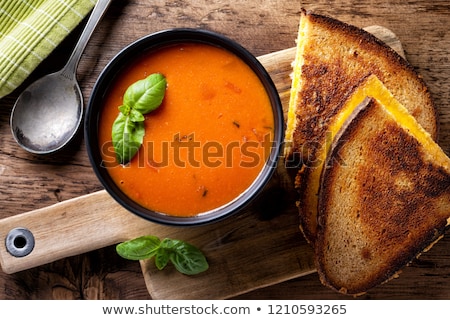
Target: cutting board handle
(66,229)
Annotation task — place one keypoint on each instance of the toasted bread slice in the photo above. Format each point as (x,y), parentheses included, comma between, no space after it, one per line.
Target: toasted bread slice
(332,60)
(384,197)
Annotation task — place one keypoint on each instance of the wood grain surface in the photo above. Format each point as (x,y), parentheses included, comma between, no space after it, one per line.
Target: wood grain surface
(28,182)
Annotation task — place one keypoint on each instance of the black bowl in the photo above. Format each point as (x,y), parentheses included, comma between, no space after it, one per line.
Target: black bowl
(121,61)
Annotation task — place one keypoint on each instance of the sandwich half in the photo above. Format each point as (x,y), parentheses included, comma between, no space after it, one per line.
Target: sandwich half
(332,60)
(384,197)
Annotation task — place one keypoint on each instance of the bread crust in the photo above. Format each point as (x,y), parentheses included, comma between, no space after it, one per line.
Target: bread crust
(379,206)
(338,57)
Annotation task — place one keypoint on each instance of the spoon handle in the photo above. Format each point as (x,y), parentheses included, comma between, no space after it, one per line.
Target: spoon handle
(70,69)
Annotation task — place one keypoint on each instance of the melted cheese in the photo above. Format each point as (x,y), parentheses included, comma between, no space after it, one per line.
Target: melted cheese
(374,88)
(296,82)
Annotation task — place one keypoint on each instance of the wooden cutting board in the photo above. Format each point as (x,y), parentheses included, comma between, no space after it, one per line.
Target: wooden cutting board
(258,247)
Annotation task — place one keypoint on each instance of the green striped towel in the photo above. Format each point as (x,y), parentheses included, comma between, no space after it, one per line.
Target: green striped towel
(30,30)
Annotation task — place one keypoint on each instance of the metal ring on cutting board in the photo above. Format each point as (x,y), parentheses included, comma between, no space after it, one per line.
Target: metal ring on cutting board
(19,242)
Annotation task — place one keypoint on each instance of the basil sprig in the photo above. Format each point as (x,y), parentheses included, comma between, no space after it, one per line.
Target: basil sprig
(128,129)
(186,258)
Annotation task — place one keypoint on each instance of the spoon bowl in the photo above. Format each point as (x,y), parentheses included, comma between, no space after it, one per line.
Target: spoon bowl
(47,115)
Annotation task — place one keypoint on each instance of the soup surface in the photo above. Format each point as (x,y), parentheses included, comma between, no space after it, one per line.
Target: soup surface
(205,144)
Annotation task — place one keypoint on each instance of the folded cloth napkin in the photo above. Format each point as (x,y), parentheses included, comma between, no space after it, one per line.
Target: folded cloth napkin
(30,30)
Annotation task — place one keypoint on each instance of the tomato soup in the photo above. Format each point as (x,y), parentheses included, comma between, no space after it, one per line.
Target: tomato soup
(206,143)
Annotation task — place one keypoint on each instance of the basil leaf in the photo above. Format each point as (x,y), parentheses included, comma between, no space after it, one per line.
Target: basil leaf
(128,129)
(125,109)
(136,116)
(147,94)
(186,258)
(127,137)
(140,248)
(161,259)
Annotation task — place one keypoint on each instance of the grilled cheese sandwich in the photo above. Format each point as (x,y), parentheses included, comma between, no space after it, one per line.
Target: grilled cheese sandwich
(384,202)
(332,60)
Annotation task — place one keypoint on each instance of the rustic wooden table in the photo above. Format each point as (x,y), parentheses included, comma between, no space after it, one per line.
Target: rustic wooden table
(28,182)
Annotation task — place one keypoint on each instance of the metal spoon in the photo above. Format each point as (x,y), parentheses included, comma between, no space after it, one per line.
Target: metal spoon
(47,115)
